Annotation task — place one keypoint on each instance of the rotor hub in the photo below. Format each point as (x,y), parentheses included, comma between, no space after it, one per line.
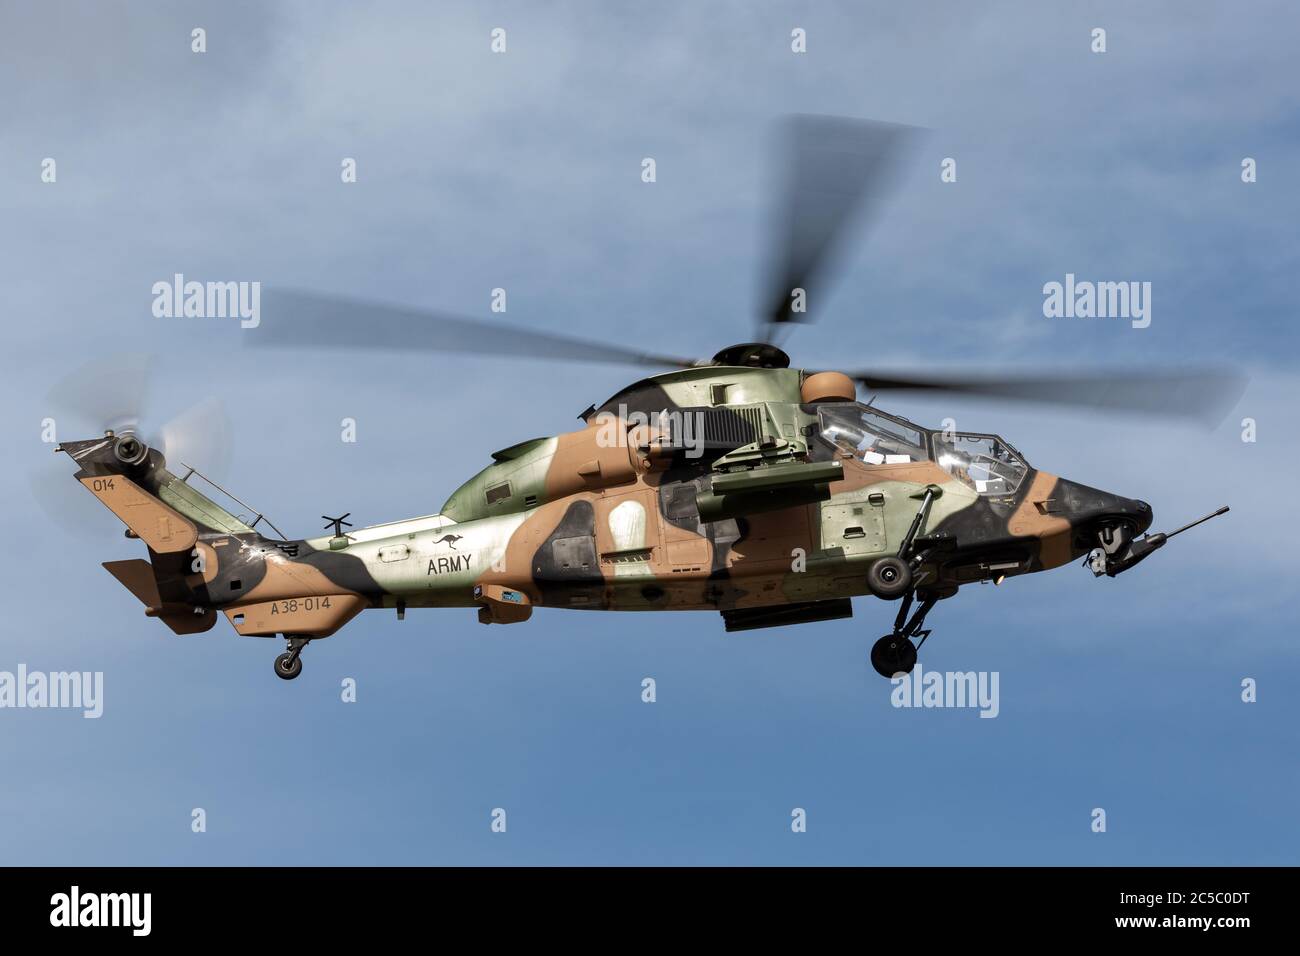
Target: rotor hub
(129,449)
(753,355)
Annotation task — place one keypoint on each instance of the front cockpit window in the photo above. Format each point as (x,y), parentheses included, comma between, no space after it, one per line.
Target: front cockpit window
(984,462)
(869,436)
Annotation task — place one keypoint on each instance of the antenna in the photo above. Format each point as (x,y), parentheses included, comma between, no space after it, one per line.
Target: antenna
(338,523)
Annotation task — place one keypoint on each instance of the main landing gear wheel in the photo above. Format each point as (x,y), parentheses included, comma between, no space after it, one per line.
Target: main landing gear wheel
(889,578)
(289,664)
(893,654)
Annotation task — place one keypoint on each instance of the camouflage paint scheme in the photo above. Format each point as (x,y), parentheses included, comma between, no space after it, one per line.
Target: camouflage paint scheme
(583,521)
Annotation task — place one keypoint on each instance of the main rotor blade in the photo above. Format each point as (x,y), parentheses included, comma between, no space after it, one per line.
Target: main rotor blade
(835,170)
(291,318)
(1206,395)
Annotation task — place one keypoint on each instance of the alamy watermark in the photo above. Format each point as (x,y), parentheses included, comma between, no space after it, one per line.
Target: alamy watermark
(208,300)
(128,910)
(1073,299)
(678,429)
(970,689)
(74,690)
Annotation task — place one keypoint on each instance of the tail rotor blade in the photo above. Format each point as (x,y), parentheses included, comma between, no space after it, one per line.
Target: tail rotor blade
(105,393)
(199,437)
(111,393)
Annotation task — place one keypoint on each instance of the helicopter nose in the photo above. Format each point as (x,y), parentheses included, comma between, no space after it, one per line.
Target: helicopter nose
(1141,513)
(1086,506)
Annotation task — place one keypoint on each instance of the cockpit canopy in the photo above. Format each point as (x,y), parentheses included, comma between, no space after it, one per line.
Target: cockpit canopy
(870,436)
(986,463)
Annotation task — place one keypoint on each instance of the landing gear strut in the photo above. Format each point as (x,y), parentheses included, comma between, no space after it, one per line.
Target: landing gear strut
(891,578)
(895,653)
(289,664)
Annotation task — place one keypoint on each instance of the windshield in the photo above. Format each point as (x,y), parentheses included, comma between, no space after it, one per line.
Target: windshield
(984,462)
(869,436)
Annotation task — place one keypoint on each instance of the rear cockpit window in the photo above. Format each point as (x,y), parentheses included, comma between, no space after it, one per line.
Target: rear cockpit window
(869,436)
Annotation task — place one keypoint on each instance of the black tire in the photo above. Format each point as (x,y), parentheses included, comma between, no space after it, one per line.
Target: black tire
(288,666)
(893,655)
(889,578)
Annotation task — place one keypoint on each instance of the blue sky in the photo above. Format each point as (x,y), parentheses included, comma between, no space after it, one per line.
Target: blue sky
(522,171)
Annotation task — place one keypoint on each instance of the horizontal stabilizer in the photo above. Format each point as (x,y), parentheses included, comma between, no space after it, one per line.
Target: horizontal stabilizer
(137,576)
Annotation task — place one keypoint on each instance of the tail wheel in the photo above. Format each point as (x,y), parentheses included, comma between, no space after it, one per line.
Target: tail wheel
(288,666)
(889,578)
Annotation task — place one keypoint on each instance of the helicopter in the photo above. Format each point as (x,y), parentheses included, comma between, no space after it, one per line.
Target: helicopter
(735,485)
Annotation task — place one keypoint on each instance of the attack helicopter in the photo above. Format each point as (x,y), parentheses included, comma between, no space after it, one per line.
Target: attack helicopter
(736,485)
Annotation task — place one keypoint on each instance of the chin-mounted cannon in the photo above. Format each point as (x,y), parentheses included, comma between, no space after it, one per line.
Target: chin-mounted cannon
(1118,550)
